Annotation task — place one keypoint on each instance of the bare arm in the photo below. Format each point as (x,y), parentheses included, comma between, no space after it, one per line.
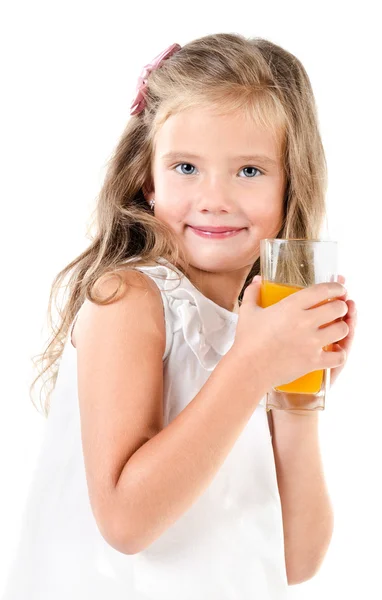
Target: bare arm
(306,507)
(166,475)
(141,476)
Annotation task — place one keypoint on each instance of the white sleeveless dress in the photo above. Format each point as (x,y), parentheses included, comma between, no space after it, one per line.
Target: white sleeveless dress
(228,546)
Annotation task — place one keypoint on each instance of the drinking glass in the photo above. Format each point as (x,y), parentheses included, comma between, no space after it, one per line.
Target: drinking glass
(287,266)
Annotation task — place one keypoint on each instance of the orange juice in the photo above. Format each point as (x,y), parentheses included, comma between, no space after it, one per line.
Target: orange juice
(311,382)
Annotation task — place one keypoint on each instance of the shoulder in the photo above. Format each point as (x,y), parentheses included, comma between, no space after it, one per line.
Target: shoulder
(124,281)
(123,295)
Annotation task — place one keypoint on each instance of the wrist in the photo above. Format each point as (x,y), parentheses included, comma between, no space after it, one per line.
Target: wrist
(284,414)
(251,367)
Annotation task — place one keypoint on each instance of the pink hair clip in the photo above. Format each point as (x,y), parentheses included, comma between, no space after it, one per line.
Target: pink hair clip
(139,101)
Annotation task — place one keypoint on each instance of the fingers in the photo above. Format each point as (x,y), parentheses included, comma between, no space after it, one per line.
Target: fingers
(332,360)
(341,279)
(252,293)
(317,294)
(352,311)
(328,312)
(351,320)
(333,333)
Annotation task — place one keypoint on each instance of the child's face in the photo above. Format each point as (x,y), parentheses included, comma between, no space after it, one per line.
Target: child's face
(216,187)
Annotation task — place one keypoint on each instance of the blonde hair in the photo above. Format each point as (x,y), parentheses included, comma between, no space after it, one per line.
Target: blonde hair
(224,71)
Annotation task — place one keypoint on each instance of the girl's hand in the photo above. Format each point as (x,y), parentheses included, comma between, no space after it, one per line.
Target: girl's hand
(346,343)
(286,339)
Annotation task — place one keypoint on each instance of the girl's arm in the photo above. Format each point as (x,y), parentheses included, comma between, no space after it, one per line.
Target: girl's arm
(167,474)
(306,507)
(143,477)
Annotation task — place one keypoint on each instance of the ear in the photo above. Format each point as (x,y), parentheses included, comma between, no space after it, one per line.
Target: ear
(148,192)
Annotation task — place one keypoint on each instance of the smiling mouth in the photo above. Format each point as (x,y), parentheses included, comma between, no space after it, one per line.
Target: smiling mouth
(222,234)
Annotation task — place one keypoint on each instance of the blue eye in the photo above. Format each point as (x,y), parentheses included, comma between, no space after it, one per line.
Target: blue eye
(252,174)
(187,165)
(189,171)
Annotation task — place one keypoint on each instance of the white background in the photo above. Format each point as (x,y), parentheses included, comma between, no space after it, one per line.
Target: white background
(69,71)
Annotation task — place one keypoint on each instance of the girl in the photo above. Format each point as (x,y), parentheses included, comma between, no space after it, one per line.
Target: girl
(159,477)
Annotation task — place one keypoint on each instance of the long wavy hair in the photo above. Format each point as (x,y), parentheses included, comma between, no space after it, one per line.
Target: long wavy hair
(225,71)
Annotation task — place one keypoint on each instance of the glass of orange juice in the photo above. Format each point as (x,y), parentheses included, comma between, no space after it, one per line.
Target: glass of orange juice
(286,267)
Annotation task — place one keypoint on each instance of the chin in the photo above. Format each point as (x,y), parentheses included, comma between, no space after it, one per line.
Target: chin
(216,262)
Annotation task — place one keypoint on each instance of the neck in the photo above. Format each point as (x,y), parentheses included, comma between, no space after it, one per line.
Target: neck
(223,288)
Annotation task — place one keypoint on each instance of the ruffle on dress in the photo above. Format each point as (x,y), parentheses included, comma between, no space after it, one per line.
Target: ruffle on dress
(209,329)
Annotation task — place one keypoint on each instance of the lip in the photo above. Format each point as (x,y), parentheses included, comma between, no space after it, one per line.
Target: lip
(217,229)
(216,235)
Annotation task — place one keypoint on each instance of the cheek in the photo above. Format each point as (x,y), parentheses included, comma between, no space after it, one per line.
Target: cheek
(173,210)
(267,212)
(174,203)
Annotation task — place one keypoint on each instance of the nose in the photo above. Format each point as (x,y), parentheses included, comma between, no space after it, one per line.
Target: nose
(215,195)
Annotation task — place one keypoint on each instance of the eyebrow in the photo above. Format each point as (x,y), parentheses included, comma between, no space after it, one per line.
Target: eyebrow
(259,158)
